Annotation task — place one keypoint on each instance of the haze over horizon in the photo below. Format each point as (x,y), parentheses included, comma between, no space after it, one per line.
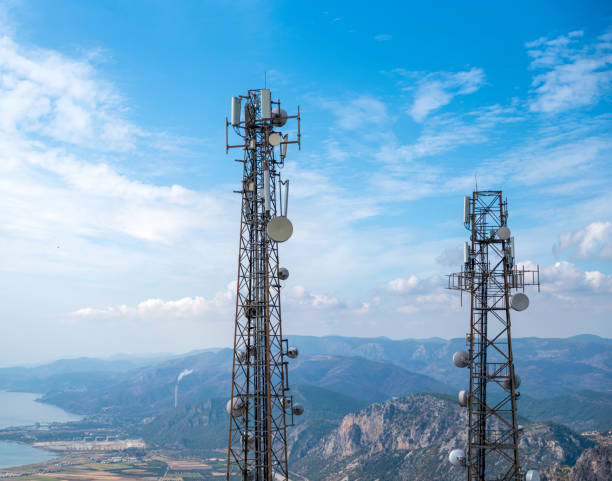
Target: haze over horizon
(119,225)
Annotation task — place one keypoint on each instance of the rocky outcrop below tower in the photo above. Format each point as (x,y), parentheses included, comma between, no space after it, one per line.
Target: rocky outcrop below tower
(410,438)
(594,464)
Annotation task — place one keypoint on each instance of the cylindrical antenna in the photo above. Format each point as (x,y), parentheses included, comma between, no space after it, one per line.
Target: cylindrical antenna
(278,195)
(266,179)
(236,107)
(286,195)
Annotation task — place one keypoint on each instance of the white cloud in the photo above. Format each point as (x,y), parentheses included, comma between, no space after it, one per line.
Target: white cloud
(566,280)
(95,199)
(451,256)
(300,296)
(383,37)
(156,309)
(592,242)
(362,111)
(438,89)
(402,286)
(572,76)
(47,94)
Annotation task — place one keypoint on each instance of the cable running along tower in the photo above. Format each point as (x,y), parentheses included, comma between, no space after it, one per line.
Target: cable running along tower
(261,406)
(490,275)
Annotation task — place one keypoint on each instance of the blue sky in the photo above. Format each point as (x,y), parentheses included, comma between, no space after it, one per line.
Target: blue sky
(119,226)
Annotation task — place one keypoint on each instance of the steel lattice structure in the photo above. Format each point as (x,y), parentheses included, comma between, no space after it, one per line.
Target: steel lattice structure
(489,275)
(261,407)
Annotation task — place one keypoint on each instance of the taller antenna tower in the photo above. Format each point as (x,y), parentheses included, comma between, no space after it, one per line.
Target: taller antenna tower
(490,275)
(261,406)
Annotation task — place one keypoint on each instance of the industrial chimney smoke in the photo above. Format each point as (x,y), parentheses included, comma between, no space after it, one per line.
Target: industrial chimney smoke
(184,373)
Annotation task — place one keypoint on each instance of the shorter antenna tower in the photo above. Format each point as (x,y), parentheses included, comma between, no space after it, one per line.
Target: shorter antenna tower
(261,406)
(490,275)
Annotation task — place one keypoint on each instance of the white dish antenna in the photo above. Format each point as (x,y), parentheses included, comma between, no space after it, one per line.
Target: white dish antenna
(532,475)
(249,440)
(519,301)
(292,352)
(503,233)
(275,139)
(461,359)
(279,229)
(235,407)
(298,409)
(462,397)
(506,382)
(457,457)
(279,117)
(283,273)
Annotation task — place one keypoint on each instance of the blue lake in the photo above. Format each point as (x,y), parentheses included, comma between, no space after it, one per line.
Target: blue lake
(21,409)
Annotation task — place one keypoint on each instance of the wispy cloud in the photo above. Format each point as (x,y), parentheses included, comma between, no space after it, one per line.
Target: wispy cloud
(300,296)
(153,310)
(573,74)
(45,93)
(436,90)
(382,37)
(359,112)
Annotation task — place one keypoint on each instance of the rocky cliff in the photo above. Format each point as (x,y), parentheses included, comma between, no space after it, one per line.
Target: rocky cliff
(410,438)
(593,465)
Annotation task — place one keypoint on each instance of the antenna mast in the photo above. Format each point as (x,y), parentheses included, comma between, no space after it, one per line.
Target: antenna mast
(261,406)
(490,275)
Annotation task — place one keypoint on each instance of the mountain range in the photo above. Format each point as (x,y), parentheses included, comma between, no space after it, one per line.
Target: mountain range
(368,415)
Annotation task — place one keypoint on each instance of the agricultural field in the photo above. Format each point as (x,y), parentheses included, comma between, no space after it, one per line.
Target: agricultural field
(114,468)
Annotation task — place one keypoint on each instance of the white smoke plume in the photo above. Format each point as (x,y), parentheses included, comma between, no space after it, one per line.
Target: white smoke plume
(186,372)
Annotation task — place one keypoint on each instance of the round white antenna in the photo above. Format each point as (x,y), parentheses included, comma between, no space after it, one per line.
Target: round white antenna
(279,117)
(235,407)
(462,397)
(457,457)
(279,229)
(248,439)
(503,233)
(532,475)
(506,382)
(283,273)
(292,352)
(461,359)
(275,139)
(519,301)
(298,409)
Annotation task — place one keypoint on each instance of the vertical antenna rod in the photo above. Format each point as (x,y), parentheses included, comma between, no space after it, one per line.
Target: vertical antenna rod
(261,406)
(489,274)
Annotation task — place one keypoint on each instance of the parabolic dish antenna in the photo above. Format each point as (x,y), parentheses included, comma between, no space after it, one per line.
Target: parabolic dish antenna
(275,139)
(519,301)
(503,233)
(457,457)
(532,475)
(279,229)
(279,117)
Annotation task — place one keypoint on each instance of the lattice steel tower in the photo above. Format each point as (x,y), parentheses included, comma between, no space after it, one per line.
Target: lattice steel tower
(261,406)
(490,275)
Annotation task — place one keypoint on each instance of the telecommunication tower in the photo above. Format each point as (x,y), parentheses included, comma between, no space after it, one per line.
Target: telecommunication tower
(490,275)
(261,406)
